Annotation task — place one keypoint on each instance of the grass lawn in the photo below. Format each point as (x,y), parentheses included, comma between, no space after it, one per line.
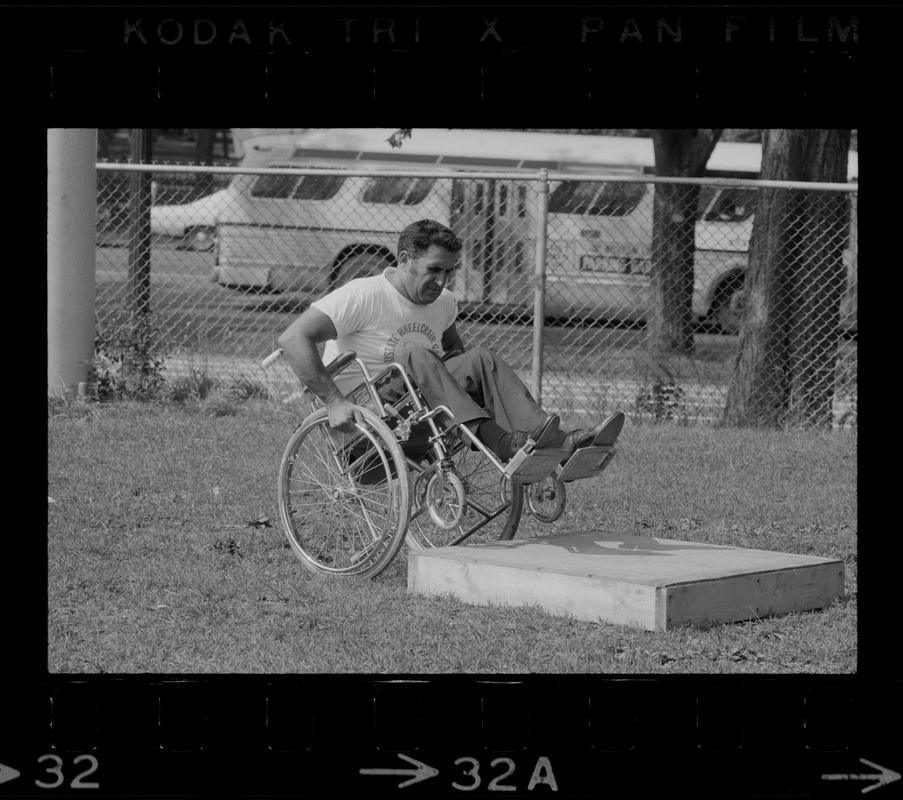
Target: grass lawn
(165,555)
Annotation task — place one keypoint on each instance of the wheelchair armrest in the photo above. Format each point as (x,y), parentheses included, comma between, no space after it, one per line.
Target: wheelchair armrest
(341,361)
(337,364)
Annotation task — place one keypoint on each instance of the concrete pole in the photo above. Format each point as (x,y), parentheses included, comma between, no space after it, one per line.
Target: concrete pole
(71,198)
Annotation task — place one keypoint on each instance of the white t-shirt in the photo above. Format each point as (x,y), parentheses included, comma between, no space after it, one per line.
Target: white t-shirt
(375,320)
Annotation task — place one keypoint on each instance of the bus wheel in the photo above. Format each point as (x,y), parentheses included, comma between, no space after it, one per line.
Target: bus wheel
(201,239)
(728,312)
(361,265)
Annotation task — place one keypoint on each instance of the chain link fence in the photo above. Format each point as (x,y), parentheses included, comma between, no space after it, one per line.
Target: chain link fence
(223,259)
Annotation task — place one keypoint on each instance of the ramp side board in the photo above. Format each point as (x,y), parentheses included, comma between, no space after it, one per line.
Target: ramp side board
(656,584)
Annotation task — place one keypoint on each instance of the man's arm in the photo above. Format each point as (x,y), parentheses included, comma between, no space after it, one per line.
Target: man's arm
(299,346)
(451,340)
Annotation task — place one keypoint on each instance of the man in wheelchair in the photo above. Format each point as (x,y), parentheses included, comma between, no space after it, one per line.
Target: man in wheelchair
(407,315)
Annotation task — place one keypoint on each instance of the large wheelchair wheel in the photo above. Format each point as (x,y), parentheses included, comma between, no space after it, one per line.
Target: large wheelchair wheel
(492,504)
(344,500)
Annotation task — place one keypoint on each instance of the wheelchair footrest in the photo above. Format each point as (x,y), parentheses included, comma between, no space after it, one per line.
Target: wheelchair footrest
(534,466)
(587,462)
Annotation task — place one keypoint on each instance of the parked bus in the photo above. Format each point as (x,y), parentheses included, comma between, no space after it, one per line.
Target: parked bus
(313,232)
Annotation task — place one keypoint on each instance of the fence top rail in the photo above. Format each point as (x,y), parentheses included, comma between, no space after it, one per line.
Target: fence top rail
(526,176)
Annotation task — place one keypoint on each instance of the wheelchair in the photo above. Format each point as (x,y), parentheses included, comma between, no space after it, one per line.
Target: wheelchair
(408,475)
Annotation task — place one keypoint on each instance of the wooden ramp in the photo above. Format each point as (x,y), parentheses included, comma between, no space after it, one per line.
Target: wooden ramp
(656,584)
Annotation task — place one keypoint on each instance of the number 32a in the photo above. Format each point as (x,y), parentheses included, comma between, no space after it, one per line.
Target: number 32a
(542,774)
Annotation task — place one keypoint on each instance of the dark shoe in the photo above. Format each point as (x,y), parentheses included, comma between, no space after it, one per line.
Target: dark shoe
(606,432)
(610,429)
(546,434)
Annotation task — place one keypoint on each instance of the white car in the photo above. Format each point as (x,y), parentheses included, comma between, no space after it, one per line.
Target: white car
(195,223)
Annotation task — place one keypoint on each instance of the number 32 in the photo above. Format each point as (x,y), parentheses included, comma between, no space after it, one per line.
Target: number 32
(57,770)
(495,784)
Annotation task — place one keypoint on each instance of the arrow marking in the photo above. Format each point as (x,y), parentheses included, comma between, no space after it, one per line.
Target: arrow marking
(421,773)
(8,773)
(883,777)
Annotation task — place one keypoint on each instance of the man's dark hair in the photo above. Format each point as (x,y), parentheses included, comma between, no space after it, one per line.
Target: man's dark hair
(417,237)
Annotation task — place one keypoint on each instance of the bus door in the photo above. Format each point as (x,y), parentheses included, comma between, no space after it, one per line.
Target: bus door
(491,217)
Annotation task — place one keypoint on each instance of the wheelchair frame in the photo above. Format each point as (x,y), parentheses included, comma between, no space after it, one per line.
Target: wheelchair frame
(348,502)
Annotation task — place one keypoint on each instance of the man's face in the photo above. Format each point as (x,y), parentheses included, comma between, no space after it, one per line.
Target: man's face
(424,277)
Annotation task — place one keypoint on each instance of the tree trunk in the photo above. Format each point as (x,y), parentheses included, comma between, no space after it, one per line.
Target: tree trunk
(678,153)
(784,373)
(759,391)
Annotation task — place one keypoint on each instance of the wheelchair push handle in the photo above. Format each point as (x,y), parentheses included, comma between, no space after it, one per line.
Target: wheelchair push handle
(272,358)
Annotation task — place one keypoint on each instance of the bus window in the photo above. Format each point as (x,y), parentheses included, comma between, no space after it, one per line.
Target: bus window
(406,191)
(274,186)
(318,187)
(606,199)
(732,204)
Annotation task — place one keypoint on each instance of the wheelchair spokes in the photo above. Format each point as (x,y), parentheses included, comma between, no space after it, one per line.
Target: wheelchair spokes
(546,499)
(445,499)
(490,512)
(341,513)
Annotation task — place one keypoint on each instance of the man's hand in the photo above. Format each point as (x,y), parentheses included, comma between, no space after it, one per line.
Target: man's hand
(342,415)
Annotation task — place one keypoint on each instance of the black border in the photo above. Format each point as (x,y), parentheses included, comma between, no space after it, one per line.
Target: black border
(98,80)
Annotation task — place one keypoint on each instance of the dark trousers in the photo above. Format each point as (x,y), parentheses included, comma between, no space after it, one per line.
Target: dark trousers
(475,385)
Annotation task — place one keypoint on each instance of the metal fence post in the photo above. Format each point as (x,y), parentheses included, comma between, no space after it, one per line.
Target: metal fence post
(539,284)
(139,224)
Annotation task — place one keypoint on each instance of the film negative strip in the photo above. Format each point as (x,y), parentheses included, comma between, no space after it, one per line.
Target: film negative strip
(667,62)
(325,736)
(448,735)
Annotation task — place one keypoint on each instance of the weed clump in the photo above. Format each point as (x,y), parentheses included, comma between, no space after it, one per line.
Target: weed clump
(662,399)
(128,364)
